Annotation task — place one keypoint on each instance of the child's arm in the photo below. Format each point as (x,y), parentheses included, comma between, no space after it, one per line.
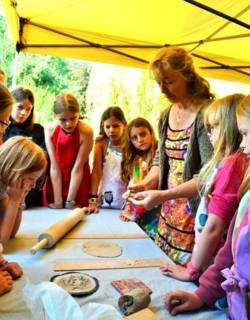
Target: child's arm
(208,242)
(86,144)
(11,208)
(210,289)
(55,171)
(96,176)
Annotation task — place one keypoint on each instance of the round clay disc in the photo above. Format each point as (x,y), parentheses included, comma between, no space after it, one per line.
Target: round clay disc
(102,249)
(76,283)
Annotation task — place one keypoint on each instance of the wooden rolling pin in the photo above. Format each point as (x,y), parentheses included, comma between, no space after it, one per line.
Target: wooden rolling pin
(58,230)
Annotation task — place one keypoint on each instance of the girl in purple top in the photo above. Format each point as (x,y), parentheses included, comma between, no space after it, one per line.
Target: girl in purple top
(230,274)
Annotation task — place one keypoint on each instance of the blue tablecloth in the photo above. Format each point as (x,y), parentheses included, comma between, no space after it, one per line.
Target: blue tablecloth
(40,267)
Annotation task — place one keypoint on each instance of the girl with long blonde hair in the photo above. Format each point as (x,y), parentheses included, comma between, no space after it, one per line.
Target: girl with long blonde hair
(229,275)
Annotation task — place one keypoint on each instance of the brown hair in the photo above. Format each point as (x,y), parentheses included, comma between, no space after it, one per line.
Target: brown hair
(21,93)
(177,59)
(130,151)
(108,113)
(66,102)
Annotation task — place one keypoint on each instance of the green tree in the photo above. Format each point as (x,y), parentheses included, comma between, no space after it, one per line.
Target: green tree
(46,76)
(7,50)
(131,89)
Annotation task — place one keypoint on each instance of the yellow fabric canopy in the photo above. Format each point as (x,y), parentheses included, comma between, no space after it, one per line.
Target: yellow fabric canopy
(130,32)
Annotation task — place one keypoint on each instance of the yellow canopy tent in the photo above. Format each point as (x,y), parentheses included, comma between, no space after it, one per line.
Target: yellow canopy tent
(130,32)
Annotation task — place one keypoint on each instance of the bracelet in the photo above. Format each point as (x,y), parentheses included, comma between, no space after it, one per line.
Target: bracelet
(3,263)
(127,206)
(93,196)
(22,206)
(135,215)
(93,200)
(194,273)
(70,202)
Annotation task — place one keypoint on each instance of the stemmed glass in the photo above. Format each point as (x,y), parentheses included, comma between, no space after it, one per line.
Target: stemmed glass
(108,196)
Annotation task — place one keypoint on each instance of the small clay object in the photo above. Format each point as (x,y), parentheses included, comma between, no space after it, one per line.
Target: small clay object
(134,301)
(76,283)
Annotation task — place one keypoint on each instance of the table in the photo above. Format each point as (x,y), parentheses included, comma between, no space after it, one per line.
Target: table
(40,267)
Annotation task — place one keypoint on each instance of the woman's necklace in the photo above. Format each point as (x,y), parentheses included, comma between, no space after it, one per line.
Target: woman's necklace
(178,116)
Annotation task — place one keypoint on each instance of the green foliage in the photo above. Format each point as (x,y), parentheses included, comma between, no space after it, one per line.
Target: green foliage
(46,76)
(7,50)
(129,88)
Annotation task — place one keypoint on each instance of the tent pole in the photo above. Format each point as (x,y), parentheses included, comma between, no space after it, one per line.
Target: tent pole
(14,78)
(218,13)
(223,66)
(92,44)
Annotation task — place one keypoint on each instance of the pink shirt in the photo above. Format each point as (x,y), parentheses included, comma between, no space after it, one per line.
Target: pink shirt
(224,202)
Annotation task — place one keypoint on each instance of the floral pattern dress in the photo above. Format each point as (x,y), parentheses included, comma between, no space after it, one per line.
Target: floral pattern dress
(176,223)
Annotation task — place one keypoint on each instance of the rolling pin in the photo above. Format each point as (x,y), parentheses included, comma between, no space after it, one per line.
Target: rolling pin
(50,237)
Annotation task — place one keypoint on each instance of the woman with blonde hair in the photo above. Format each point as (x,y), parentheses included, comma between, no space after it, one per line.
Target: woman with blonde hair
(183,148)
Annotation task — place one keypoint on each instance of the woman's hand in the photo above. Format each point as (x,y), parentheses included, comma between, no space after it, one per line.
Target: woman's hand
(136,187)
(176,272)
(18,189)
(14,269)
(180,301)
(147,199)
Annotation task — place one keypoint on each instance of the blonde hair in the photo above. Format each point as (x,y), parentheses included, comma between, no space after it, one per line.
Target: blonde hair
(130,151)
(6,99)
(66,102)
(177,59)
(19,155)
(221,114)
(243,110)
